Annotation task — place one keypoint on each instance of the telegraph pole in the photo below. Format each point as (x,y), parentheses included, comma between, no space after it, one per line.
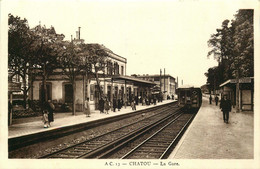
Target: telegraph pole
(160,80)
(164,81)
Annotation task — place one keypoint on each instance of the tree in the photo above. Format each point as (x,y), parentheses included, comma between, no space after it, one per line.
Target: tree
(20,40)
(233,48)
(97,57)
(221,45)
(243,58)
(213,78)
(73,62)
(45,53)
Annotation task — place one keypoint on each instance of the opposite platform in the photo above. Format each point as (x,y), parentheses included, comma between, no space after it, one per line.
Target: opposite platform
(208,137)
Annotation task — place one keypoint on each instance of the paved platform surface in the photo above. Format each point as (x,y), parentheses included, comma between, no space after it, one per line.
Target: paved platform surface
(208,137)
(32,125)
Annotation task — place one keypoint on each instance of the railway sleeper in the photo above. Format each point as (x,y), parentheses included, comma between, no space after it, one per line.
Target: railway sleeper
(155,145)
(148,153)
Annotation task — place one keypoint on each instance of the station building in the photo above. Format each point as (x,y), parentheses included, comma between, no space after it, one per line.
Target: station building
(166,83)
(246,92)
(114,83)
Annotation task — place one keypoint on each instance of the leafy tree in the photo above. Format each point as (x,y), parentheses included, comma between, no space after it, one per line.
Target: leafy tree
(243,59)
(45,53)
(20,40)
(213,78)
(73,62)
(233,48)
(97,57)
(221,45)
(82,59)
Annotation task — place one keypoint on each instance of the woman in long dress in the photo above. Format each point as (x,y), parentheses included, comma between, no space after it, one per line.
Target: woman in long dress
(87,108)
(107,106)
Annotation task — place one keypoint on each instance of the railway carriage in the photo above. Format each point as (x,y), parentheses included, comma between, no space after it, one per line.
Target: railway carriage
(189,97)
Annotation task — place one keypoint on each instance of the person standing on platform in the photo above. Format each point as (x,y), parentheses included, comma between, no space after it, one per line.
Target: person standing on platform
(114,104)
(143,101)
(45,118)
(136,100)
(216,100)
(118,104)
(133,105)
(101,105)
(87,107)
(107,106)
(154,100)
(121,102)
(210,99)
(225,106)
(50,108)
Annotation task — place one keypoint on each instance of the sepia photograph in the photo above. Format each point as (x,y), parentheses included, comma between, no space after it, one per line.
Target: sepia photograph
(129,84)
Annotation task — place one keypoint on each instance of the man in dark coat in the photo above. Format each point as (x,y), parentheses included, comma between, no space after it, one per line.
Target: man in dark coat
(119,104)
(114,105)
(136,100)
(101,105)
(50,108)
(225,106)
(216,100)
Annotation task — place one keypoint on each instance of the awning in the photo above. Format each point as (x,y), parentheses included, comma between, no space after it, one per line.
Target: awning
(241,80)
(134,80)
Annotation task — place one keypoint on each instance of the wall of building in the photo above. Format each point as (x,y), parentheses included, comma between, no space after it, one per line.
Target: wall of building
(57,90)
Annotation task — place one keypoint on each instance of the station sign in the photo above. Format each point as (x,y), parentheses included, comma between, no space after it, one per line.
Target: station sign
(14,87)
(241,80)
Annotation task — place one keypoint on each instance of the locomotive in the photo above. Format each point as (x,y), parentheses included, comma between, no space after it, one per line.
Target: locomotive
(189,97)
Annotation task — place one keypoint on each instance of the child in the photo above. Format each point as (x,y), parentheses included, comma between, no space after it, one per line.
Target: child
(45,119)
(133,105)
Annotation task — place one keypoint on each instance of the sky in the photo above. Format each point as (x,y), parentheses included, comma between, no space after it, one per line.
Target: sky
(152,35)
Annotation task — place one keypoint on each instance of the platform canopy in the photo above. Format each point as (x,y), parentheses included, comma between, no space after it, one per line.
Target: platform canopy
(135,81)
(234,81)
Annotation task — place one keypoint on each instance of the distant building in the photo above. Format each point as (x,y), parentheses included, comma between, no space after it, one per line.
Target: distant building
(169,88)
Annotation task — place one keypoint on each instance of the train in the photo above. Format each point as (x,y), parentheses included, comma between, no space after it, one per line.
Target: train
(189,97)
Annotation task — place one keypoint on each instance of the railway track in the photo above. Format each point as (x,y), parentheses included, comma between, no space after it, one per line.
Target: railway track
(160,144)
(92,148)
(18,143)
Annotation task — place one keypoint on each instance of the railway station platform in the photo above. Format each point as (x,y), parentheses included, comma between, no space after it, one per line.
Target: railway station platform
(32,125)
(208,137)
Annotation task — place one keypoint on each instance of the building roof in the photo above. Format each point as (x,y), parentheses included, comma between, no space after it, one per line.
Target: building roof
(133,79)
(111,53)
(155,75)
(241,80)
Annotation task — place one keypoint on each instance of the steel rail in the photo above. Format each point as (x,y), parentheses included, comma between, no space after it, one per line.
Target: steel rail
(138,134)
(176,139)
(73,146)
(145,141)
(104,155)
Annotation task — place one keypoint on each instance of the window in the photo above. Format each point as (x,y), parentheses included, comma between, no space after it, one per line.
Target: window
(116,68)
(68,93)
(109,68)
(122,70)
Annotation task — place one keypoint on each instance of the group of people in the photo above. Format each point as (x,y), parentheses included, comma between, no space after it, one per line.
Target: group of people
(104,106)
(225,106)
